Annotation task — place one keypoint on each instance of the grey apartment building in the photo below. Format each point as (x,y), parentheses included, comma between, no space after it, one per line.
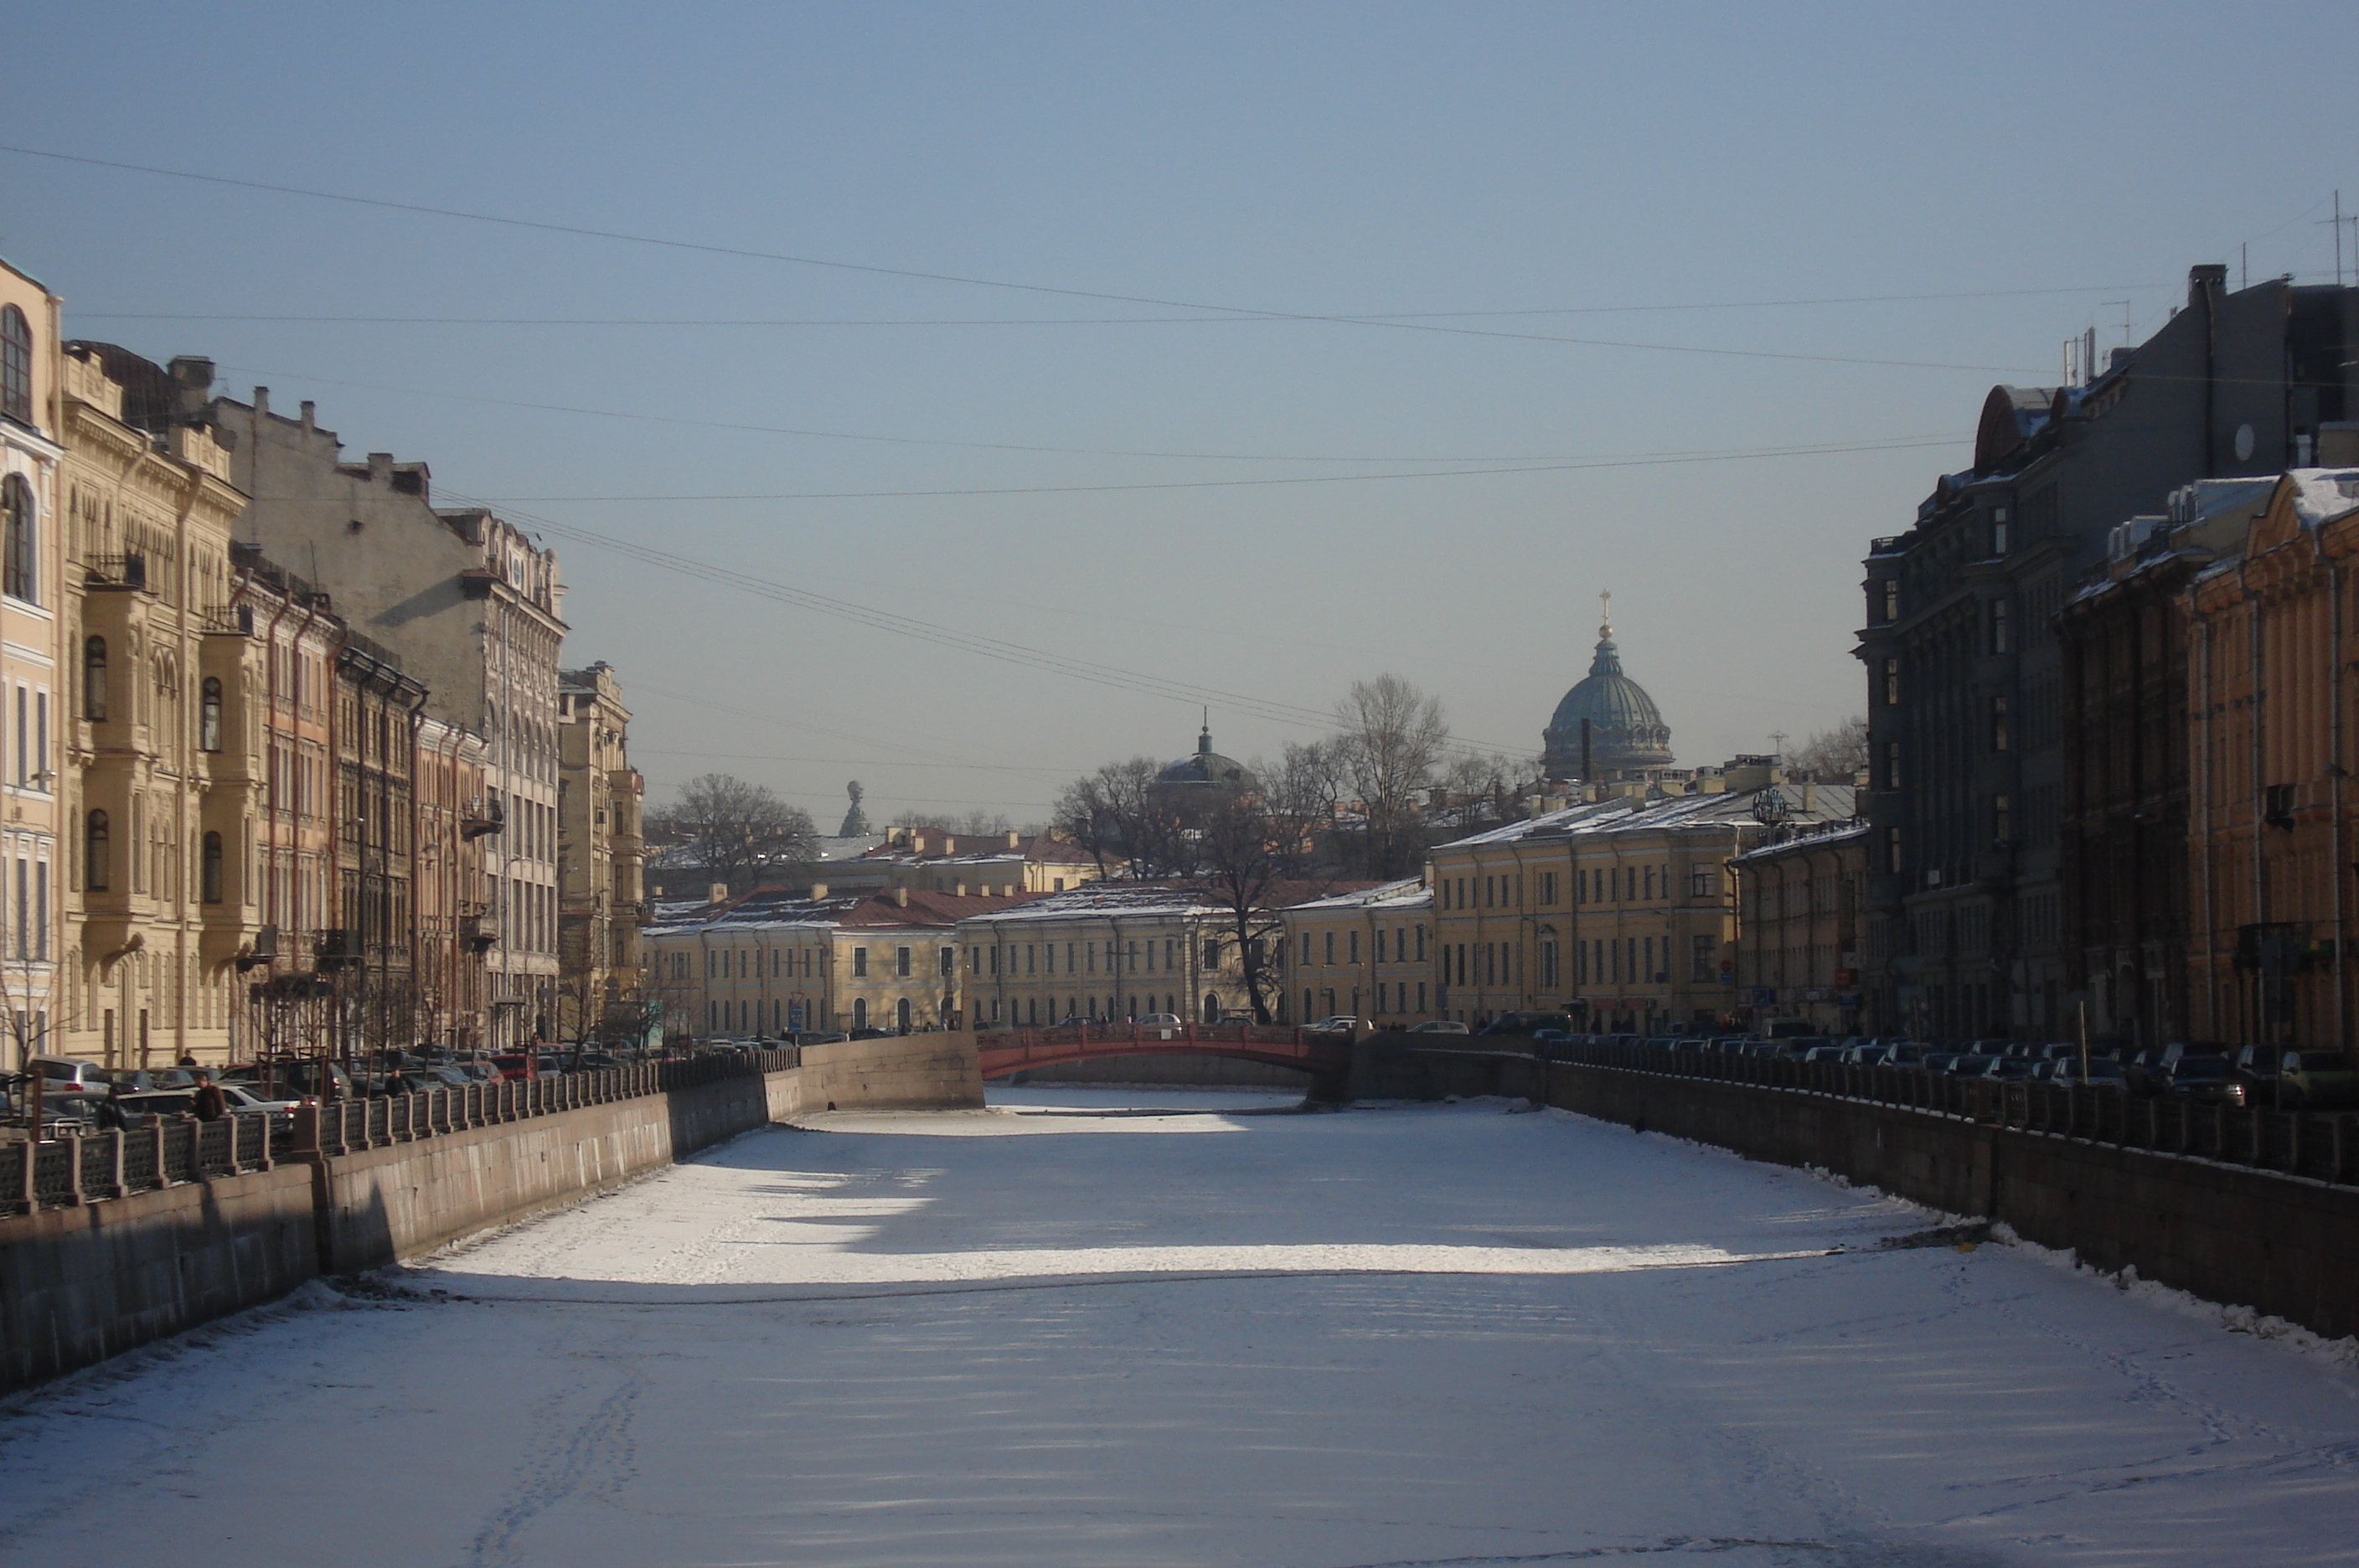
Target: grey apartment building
(1965,934)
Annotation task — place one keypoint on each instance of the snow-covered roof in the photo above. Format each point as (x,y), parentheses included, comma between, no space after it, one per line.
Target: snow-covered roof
(1410,893)
(2322,495)
(1831,802)
(1819,838)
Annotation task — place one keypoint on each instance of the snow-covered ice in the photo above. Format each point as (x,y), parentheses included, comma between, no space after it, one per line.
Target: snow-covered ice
(1066,1332)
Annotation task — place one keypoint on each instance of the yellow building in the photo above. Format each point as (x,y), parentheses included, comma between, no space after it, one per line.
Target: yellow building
(1108,951)
(1801,901)
(149,962)
(1366,953)
(773,963)
(1619,911)
(31,655)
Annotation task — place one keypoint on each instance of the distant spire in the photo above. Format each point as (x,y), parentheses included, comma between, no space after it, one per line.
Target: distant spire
(1605,616)
(1205,741)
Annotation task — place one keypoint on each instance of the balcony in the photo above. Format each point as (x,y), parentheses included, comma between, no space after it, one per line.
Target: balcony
(116,572)
(480,819)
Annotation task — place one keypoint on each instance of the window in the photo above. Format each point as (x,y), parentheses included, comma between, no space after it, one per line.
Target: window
(1353,941)
(1892,765)
(860,1004)
(210,879)
(1213,955)
(16,365)
(1706,960)
(1547,965)
(901,1014)
(1999,733)
(1548,887)
(859,962)
(1891,599)
(2002,820)
(1892,850)
(1703,882)
(97,871)
(949,961)
(1328,946)
(1998,531)
(1891,683)
(94,680)
(208,721)
(901,962)
(1999,630)
(20,559)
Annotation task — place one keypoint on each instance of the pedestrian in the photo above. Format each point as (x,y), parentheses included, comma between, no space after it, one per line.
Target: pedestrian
(186,1062)
(111,1114)
(208,1104)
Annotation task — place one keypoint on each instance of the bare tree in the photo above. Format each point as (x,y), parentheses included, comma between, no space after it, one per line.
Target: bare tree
(1119,817)
(1391,738)
(1257,853)
(976,823)
(1832,756)
(737,828)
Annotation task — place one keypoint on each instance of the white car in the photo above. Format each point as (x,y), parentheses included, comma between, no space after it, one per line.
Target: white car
(1160,1020)
(1341,1023)
(1439,1026)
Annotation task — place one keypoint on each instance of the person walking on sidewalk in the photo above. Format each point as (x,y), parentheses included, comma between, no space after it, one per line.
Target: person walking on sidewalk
(208,1104)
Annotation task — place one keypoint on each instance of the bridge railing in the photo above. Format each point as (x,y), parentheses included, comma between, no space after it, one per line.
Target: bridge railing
(2320,1146)
(88,1167)
(1013,1045)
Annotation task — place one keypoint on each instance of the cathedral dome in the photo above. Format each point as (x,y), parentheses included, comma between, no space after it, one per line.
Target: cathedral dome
(1625,729)
(1207,767)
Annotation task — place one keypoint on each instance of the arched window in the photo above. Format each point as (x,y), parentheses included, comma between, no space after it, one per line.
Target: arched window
(209,728)
(1211,1009)
(859,1012)
(901,1014)
(211,883)
(94,680)
(20,576)
(16,365)
(97,868)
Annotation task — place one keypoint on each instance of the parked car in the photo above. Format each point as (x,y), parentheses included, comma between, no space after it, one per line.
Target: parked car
(819,1037)
(66,1076)
(2318,1078)
(517,1065)
(1439,1025)
(1866,1055)
(2102,1072)
(1971,1065)
(1339,1023)
(2204,1081)
(145,1105)
(1173,1021)
(1527,1023)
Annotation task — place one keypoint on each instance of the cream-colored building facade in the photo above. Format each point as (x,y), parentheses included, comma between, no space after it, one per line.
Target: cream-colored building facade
(149,972)
(31,660)
(599,853)
(1107,953)
(1366,953)
(1619,910)
(775,962)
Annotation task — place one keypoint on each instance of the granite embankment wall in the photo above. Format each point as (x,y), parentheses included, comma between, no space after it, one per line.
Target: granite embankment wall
(78,1285)
(2281,1243)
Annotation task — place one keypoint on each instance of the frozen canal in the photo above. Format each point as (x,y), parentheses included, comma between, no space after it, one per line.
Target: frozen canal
(1061,1332)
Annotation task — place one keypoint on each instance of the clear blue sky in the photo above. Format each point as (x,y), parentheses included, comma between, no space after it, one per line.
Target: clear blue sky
(1322,160)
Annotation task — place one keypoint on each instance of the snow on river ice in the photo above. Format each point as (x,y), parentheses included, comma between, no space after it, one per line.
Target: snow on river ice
(1069,1331)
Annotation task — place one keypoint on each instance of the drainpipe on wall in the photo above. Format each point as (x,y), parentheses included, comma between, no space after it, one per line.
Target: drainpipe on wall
(2334,775)
(2259,764)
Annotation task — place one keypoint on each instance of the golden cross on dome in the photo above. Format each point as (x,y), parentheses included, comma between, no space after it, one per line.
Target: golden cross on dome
(1605,615)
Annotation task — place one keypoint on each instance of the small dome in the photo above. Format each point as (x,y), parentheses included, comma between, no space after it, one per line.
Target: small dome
(1207,767)
(1625,729)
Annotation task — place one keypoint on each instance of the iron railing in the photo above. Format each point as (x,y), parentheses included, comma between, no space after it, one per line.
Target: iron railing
(2320,1146)
(90,1168)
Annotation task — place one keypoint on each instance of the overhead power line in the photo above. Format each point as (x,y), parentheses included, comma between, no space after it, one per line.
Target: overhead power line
(301,376)
(965,280)
(331,320)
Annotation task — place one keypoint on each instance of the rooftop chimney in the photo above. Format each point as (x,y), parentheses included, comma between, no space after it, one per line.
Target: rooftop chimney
(2209,275)
(818,889)
(901,894)
(381,467)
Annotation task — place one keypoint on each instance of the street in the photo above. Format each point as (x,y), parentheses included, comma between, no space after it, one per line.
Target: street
(1121,1329)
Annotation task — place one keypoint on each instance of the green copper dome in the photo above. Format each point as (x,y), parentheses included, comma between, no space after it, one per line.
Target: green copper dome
(1625,729)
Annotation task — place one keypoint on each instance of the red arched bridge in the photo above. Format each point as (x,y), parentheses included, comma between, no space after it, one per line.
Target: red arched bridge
(1013,1050)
